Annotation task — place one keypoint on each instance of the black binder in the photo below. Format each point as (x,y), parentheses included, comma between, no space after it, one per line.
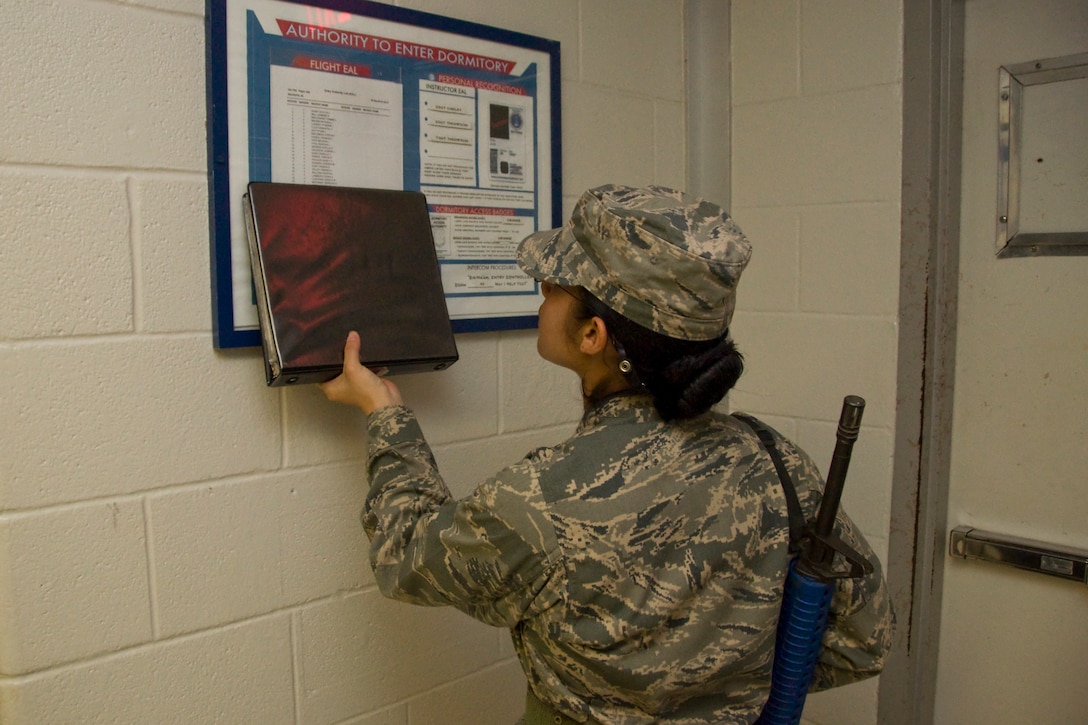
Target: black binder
(327,260)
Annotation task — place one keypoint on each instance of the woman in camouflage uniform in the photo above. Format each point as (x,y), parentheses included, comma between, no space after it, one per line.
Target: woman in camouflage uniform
(640,564)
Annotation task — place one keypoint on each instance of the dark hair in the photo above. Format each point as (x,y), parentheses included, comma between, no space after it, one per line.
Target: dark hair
(685,377)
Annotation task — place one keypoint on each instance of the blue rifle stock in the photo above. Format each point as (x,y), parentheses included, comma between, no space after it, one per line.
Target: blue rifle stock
(810,585)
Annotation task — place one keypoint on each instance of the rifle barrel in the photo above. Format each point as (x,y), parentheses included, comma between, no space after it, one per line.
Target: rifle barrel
(849,425)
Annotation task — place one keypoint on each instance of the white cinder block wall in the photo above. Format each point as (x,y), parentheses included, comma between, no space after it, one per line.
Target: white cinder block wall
(179,543)
(816,152)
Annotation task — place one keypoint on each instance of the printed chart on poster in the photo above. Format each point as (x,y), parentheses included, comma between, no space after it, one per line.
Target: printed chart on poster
(364,94)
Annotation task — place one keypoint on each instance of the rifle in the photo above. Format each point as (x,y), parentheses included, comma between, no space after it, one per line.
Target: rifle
(810,581)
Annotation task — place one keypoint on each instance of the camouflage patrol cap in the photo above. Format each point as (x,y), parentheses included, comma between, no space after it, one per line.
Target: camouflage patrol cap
(661,258)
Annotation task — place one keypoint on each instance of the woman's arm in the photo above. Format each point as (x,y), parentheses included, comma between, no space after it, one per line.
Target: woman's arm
(426,547)
(492,554)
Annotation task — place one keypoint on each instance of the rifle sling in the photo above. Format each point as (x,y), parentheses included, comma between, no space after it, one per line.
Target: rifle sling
(793,504)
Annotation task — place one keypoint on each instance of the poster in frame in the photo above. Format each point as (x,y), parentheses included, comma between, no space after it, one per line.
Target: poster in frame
(365,94)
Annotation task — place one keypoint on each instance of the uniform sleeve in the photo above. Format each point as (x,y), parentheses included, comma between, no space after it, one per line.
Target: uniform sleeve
(491,555)
(859,628)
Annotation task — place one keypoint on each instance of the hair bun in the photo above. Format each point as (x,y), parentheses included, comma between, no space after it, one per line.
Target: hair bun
(693,384)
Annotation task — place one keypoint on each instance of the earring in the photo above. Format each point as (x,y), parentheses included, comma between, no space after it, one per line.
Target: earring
(625,365)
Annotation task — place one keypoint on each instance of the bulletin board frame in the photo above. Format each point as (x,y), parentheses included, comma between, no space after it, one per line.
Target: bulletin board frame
(361,93)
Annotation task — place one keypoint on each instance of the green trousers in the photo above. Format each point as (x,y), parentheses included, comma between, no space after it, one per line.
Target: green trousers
(541,713)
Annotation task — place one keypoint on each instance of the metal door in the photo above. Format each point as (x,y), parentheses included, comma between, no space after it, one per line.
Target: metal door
(1013,645)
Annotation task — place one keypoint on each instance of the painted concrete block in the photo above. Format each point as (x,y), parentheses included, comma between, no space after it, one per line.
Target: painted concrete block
(73,584)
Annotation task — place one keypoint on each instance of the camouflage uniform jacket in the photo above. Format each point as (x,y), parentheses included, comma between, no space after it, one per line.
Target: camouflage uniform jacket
(639,565)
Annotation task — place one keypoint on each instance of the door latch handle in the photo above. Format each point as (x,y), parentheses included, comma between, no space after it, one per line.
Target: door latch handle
(1064,562)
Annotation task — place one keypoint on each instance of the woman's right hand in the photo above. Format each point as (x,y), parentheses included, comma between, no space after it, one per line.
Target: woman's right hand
(357,385)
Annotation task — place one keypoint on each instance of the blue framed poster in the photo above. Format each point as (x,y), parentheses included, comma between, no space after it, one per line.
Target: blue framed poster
(364,94)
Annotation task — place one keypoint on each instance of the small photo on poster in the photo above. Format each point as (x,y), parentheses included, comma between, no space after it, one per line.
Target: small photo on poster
(509,144)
